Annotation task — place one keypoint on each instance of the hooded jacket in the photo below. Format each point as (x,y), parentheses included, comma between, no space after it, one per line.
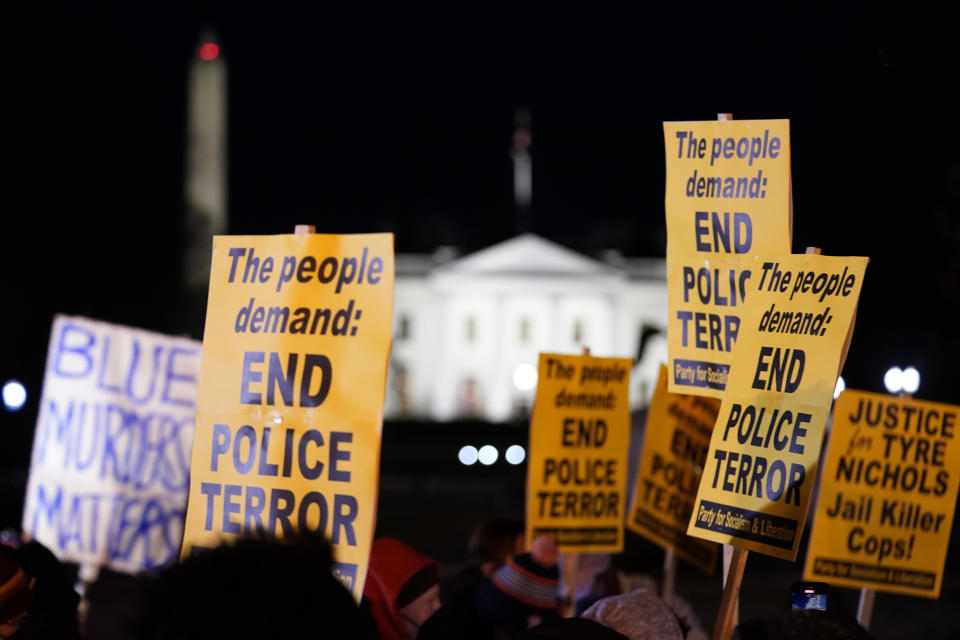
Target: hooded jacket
(392,565)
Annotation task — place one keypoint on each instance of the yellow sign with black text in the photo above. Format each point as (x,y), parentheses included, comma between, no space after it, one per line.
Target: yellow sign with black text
(675,444)
(888,490)
(579,437)
(763,455)
(292,382)
(727,198)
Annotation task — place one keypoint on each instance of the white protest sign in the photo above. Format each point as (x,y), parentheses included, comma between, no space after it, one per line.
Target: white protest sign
(111,452)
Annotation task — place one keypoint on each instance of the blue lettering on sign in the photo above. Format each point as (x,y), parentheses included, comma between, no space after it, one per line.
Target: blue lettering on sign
(145,528)
(175,379)
(137,369)
(346,573)
(72,357)
(248,508)
(143,451)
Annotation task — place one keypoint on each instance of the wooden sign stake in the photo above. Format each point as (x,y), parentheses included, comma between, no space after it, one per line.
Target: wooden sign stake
(728,550)
(87,575)
(570,566)
(727,559)
(865,607)
(570,582)
(669,575)
(727,617)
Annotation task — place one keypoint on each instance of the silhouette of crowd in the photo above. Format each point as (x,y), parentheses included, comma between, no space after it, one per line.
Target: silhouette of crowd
(263,587)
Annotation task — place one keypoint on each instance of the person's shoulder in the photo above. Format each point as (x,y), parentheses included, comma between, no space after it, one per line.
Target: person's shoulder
(461,582)
(457,618)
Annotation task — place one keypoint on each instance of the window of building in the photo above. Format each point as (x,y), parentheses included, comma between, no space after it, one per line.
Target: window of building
(470,400)
(403,328)
(470,330)
(524,330)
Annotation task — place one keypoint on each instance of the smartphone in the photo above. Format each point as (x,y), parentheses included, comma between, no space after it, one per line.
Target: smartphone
(809,595)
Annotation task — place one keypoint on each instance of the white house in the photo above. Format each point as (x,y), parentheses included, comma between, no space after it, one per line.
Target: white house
(467,332)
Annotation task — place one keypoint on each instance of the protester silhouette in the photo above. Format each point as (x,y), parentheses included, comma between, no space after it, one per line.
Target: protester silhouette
(402,589)
(256,587)
(517,596)
(37,600)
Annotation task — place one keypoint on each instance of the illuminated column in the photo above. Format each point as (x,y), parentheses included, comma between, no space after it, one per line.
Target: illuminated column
(206,162)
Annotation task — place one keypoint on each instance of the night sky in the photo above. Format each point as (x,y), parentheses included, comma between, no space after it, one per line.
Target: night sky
(386,118)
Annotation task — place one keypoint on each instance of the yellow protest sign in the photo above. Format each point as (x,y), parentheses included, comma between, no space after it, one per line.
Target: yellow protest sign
(761,465)
(675,444)
(579,436)
(292,381)
(888,489)
(727,197)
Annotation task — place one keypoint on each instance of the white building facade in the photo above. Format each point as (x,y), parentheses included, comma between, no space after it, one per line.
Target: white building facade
(467,333)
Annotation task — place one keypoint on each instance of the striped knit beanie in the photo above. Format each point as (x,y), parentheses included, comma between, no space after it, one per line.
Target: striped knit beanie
(531,578)
(525,580)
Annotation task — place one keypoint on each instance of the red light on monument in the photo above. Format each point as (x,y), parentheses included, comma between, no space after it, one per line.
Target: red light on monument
(209,51)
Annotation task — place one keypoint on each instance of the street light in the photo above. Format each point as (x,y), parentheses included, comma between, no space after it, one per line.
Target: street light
(841,386)
(487,454)
(893,379)
(515,454)
(525,377)
(906,380)
(468,455)
(911,379)
(14,395)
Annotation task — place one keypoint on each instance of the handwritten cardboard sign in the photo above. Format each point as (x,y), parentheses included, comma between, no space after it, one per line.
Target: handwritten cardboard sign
(111,452)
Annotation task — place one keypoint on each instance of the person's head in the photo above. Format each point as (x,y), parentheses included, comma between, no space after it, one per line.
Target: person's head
(419,610)
(523,592)
(37,599)
(402,588)
(572,629)
(16,593)
(253,588)
(494,542)
(639,615)
(801,624)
